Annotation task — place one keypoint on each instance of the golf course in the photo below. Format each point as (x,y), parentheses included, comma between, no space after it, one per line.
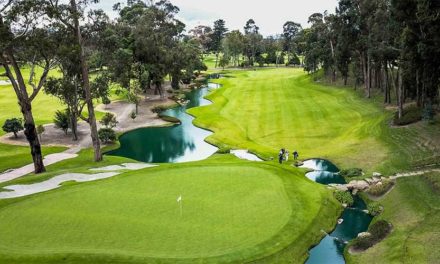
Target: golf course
(146,132)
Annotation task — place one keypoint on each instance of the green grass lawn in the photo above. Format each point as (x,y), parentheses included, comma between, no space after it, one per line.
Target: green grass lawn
(266,110)
(232,211)
(414,210)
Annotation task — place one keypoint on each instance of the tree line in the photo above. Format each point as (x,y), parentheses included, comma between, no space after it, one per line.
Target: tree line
(137,50)
(387,46)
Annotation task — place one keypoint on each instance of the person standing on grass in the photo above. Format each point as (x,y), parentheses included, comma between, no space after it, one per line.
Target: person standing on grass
(281,156)
(287,155)
(295,155)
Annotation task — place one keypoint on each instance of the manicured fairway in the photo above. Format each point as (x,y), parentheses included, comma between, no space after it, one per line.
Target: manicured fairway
(231,212)
(266,110)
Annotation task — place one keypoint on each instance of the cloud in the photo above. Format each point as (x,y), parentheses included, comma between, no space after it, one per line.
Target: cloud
(269,15)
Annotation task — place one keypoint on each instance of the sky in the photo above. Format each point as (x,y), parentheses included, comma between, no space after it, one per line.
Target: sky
(268,15)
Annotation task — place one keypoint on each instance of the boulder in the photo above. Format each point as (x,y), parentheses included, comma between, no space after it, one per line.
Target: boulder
(377,174)
(364,234)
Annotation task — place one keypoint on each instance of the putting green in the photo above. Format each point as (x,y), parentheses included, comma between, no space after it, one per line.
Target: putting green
(229,212)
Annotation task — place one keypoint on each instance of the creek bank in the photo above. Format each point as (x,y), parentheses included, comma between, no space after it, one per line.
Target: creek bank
(354,219)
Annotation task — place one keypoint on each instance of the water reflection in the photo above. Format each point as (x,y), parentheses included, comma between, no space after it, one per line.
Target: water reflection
(331,248)
(179,143)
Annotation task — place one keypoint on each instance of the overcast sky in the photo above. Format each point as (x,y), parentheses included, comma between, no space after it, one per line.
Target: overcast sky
(269,15)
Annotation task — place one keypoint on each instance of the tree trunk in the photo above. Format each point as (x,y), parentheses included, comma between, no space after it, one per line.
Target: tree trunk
(86,86)
(26,109)
(216,59)
(400,88)
(368,77)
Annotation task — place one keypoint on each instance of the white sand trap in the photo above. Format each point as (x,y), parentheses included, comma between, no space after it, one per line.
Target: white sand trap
(48,160)
(244,154)
(2,82)
(54,183)
(125,166)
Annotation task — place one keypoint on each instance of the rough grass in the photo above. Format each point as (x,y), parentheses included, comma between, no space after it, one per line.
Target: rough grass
(232,211)
(416,224)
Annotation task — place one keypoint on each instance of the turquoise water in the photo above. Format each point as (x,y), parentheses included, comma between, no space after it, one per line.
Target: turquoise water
(331,248)
(179,143)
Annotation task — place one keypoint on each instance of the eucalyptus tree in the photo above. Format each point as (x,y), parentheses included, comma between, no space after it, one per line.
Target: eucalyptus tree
(252,41)
(203,35)
(290,34)
(23,42)
(218,34)
(154,35)
(233,44)
(70,16)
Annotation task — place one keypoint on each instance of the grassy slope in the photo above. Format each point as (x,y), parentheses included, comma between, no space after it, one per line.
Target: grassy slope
(265,110)
(264,208)
(416,233)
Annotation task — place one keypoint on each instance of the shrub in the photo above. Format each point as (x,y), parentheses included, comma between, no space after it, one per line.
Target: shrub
(410,115)
(344,197)
(40,130)
(61,120)
(13,125)
(108,120)
(107,135)
(170,119)
(133,115)
(380,188)
(374,209)
(428,113)
(159,109)
(106,100)
(353,172)
(378,231)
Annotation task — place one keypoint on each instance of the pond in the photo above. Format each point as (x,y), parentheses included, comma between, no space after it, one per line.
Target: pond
(331,247)
(178,143)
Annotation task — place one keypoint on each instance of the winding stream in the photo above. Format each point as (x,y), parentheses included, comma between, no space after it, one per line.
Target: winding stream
(331,248)
(179,143)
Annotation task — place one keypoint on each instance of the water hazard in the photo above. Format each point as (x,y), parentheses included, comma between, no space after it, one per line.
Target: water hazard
(331,248)
(178,143)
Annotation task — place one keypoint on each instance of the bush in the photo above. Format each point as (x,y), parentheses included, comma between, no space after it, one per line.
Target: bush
(61,120)
(344,197)
(159,109)
(378,231)
(353,172)
(380,188)
(108,120)
(133,115)
(410,115)
(106,100)
(428,113)
(374,209)
(170,119)
(13,125)
(40,130)
(107,135)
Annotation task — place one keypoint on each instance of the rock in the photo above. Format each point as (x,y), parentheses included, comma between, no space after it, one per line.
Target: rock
(340,221)
(364,234)
(355,191)
(366,211)
(360,185)
(370,181)
(377,174)
(375,179)
(379,184)
(344,205)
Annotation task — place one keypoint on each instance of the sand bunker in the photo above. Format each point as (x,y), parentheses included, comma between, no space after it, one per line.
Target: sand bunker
(244,154)
(125,166)
(21,190)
